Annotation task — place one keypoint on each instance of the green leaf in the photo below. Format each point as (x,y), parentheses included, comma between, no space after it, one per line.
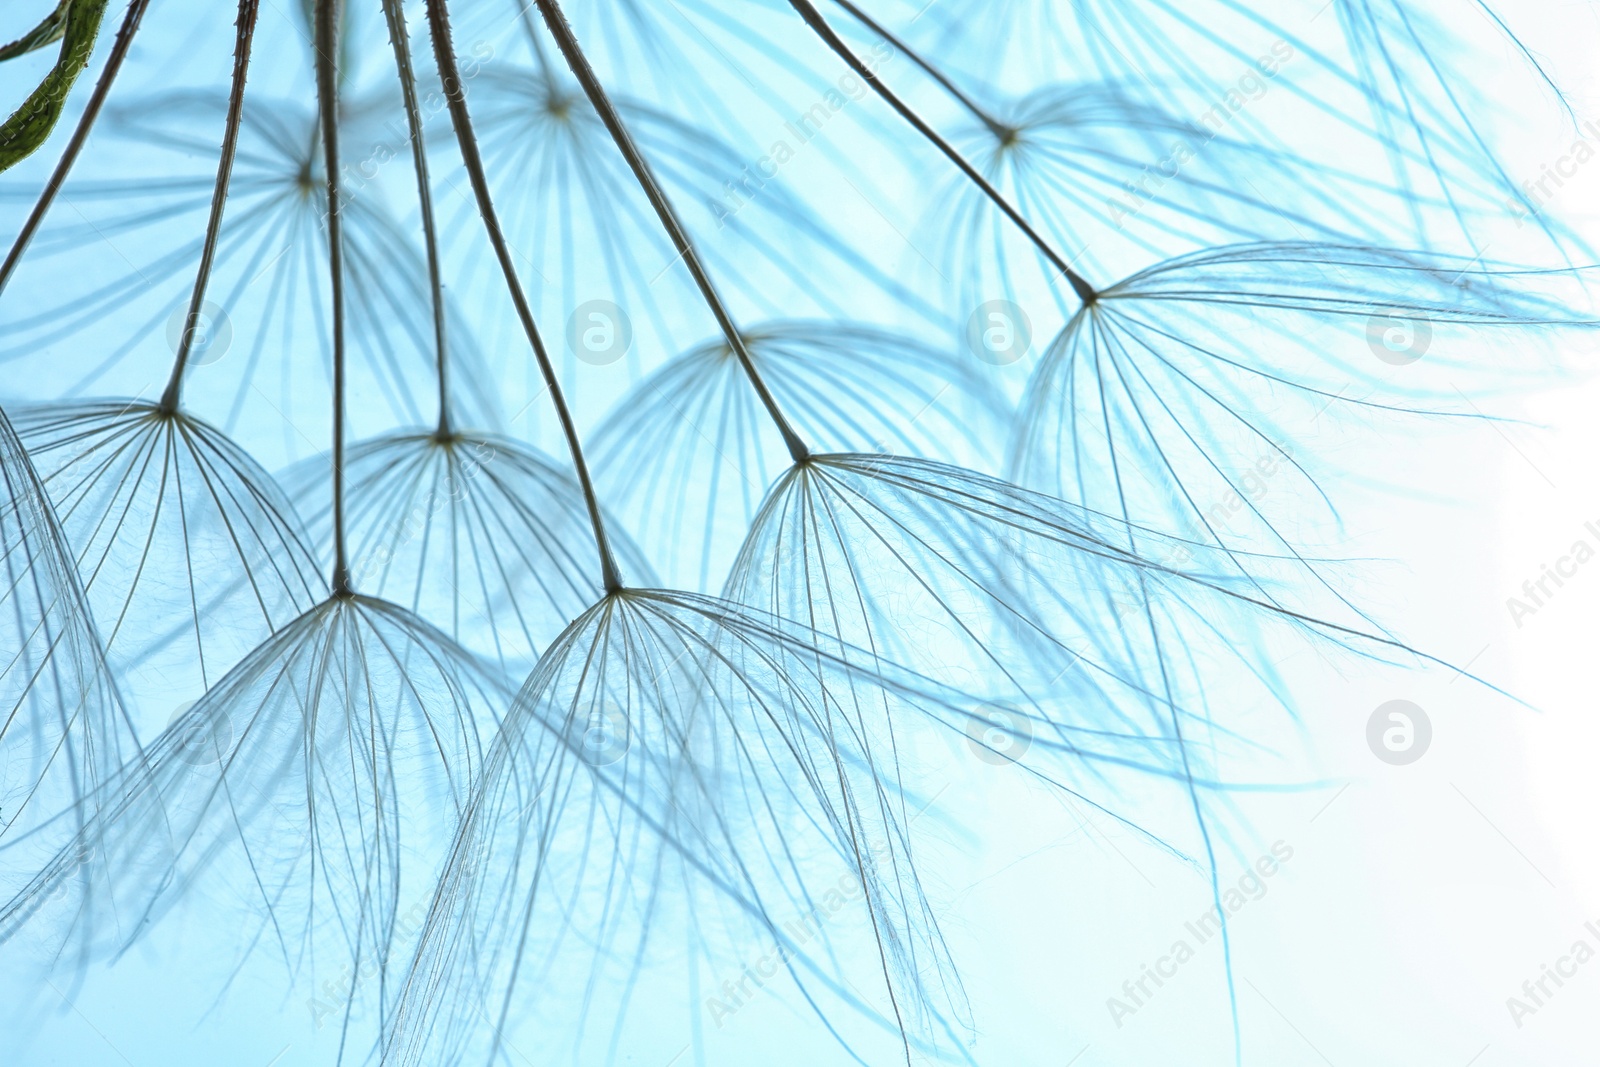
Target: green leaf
(47,32)
(76,24)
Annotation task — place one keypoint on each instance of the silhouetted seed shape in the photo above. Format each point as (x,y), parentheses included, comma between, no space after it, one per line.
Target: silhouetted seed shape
(352,737)
(269,272)
(1004,594)
(63,733)
(1149,405)
(894,232)
(481,534)
(739,753)
(689,452)
(190,553)
(1127,182)
(1384,80)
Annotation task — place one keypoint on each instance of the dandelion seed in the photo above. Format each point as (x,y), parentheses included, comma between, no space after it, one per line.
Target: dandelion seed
(690,451)
(749,756)
(63,731)
(191,554)
(172,522)
(266,270)
(351,736)
(314,788)
(1137,406)
(1043,538)
(472,529)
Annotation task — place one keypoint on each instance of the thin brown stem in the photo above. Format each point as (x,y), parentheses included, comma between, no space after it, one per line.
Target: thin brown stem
(535,40)
(450,75)
(91,112)
(419,156)
(327,44)
(819,25)
(570,49)
(246,29)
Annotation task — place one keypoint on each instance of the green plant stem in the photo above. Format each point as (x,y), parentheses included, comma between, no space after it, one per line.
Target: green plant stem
(91,112)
